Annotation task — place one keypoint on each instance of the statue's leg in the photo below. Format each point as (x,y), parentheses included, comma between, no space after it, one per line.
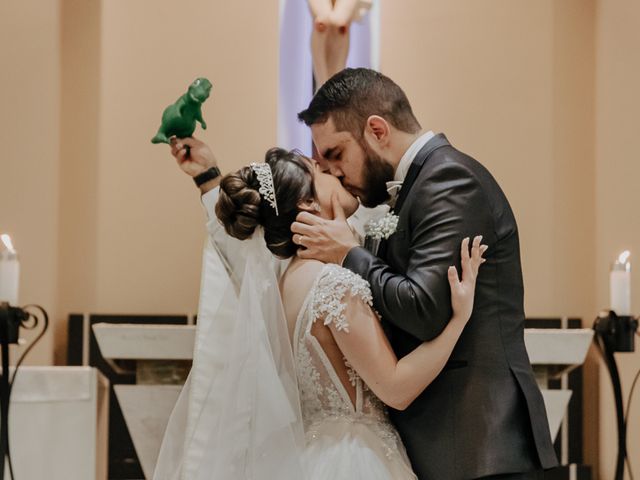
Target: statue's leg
(319,53)
(337,49)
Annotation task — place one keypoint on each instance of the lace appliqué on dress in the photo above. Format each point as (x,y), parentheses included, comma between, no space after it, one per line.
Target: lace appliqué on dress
(310,381)
(323,397)
(328,299)
(351,373)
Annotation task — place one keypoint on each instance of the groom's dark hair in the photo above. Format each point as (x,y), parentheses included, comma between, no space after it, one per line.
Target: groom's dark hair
(353,95)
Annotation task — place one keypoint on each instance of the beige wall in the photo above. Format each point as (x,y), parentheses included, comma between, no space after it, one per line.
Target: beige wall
(29,134)
(513,84)
(543,93)
(150,228)
(104,221)
(77,236)
(131,229)
(617,180)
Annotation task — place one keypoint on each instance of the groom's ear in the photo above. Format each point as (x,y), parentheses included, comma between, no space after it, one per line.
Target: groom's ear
(378,130)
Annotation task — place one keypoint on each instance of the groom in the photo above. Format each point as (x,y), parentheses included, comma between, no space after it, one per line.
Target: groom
(484,416)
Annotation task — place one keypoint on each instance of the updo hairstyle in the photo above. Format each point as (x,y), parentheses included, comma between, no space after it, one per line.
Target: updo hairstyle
(241,208)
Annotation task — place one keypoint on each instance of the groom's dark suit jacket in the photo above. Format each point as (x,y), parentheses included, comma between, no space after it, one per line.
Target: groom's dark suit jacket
(484,414)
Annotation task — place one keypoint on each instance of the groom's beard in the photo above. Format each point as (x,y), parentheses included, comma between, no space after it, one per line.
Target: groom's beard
(377,173)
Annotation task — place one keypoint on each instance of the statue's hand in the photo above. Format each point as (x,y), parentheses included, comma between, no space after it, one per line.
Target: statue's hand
(343,13)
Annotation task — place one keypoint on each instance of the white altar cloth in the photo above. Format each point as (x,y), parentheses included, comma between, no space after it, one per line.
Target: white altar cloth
(58,422)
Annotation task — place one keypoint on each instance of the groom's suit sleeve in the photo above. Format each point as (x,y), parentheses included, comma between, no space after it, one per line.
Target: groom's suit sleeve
(445,204)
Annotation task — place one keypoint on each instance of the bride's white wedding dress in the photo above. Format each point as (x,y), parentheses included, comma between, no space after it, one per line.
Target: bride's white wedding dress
(259,405)
(346,438)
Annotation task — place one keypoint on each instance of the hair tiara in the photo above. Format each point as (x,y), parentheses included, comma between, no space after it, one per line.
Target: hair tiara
(265,178)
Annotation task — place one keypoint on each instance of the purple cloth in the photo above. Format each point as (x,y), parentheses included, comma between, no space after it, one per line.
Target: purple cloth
(296,69)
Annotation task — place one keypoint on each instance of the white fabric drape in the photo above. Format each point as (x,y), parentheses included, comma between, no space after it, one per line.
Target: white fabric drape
(238,416)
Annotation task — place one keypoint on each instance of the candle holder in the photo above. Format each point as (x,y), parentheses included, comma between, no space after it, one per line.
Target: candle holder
(616,333)
(618,330)
(11,320)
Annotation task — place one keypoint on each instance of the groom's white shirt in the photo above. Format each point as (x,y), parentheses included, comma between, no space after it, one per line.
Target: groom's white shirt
(394,186)
(410,155)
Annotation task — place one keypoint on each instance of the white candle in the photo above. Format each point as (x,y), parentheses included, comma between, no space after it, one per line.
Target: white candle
(9,272)
(620,285)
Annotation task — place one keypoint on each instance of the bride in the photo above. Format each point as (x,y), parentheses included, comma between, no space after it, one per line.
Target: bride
(309,369)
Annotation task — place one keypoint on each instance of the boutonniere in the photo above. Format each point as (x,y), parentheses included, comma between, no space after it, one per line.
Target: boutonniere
(378,230)
(382,228)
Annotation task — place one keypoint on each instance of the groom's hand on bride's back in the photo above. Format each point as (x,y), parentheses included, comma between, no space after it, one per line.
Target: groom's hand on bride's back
(328,241)
(194,157)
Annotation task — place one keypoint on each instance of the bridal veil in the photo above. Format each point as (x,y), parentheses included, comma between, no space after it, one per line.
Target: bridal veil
(238,415)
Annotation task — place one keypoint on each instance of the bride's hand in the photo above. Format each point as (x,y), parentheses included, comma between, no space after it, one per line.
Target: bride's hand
(194,157)
(463,291)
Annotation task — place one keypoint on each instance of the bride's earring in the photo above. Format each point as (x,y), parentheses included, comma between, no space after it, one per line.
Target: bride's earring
(316,207)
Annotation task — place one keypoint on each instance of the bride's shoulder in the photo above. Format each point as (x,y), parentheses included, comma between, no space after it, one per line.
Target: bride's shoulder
(302,269)
(299,277)
(336,288)
(328,279)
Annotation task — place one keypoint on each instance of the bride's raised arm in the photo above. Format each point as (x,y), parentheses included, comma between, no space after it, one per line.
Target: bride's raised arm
(364,344)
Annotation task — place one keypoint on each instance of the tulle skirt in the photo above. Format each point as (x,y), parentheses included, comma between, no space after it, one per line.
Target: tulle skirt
(349,450)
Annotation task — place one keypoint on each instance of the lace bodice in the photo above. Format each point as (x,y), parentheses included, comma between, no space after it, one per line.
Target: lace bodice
(322,394)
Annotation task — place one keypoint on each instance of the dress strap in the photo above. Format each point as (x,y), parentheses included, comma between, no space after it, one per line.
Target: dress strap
(329,295)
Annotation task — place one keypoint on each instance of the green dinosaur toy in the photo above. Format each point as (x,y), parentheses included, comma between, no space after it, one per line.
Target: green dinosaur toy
(180,118)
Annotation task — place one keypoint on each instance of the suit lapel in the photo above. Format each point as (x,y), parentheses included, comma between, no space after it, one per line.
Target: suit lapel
(438,141)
